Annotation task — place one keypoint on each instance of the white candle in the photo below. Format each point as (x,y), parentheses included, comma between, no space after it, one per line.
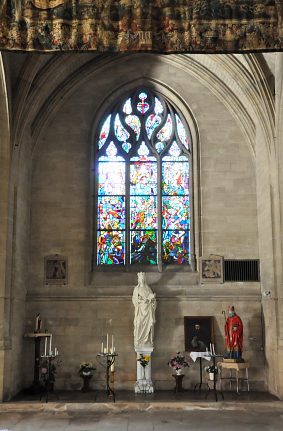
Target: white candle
(112,351)
(36,322)
(50,345)
(104,351)
(112,344)
(102,347)
(45,346)
(210,347)
(107,343)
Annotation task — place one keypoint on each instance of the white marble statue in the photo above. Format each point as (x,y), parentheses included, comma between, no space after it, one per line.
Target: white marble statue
(145,305)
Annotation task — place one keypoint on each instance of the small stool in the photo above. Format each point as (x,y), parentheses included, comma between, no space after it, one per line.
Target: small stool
(237,366)
(179,379)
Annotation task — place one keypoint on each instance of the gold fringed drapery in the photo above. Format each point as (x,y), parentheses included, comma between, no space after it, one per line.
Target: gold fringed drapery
(168,26)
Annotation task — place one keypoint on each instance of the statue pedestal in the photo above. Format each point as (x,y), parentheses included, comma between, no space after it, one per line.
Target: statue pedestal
(144,384)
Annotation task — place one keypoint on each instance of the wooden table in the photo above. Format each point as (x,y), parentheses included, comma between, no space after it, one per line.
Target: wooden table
(237,367)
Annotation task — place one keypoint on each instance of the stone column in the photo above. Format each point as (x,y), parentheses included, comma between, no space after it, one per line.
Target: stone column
(144,383)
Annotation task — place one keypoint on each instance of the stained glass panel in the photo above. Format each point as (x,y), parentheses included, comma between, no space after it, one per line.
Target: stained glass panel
(175,247)
(120,132)
(182,132)
(111,178)
(164,134)
(159,146)
(142,106)
(144,247)
(127,108)
(143,150)
(175,159)
(175,178)
(143,178)
(126,146)
(110,248)
(151,123)
(111,212)
(104,132)
(111,154)
(174,150)
(158,107)
(175,212)
(143,212)
(148,135)
(134,122)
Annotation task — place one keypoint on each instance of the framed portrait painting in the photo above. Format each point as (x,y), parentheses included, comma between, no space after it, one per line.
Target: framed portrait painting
(198,333)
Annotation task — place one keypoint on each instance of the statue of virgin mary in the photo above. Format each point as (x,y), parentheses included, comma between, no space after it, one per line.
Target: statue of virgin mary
(145,305)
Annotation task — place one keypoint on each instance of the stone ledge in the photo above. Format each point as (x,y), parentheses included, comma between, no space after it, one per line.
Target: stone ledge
(38,406)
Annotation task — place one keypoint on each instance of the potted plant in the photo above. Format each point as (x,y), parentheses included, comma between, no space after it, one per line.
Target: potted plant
(212,371)
(85,371)
(178,362)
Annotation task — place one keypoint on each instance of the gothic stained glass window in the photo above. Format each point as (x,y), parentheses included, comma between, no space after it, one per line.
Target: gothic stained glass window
(143,165)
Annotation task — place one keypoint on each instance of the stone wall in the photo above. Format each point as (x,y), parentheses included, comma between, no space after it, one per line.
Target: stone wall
(80,323)
(61,211)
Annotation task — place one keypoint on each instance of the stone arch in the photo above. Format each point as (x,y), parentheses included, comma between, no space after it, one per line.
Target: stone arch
(251,105)
(177,101)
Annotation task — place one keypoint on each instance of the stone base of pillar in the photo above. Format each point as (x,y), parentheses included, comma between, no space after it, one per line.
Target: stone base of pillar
(144,383)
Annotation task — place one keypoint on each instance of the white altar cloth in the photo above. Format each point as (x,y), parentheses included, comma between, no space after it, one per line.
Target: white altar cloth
(205,355)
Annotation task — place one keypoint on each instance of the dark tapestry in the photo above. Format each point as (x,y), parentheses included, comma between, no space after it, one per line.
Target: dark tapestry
(166,26)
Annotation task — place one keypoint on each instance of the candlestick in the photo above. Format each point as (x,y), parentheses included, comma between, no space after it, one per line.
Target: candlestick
(107,343)
(112,352)
(45,346)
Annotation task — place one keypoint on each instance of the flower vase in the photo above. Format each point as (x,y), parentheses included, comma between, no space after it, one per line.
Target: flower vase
(86,382)
(179,372)
(144,375)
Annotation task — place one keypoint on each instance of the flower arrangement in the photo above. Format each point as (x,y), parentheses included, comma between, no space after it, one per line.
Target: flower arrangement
(211,369)
(144,360)
(47,371)
(86,369)
(178,362)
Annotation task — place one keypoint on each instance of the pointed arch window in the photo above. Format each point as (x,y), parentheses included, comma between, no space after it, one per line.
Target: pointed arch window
(142,190)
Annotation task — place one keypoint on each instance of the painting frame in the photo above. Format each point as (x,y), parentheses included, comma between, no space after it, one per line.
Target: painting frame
(198,340)
(211,269)
(55,269)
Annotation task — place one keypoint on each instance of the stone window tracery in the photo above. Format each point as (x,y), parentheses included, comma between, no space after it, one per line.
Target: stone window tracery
(142,190)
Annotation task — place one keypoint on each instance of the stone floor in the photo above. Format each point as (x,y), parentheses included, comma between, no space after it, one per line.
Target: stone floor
(163,411)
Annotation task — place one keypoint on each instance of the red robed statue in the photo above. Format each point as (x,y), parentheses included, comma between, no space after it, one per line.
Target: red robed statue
(233,335)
